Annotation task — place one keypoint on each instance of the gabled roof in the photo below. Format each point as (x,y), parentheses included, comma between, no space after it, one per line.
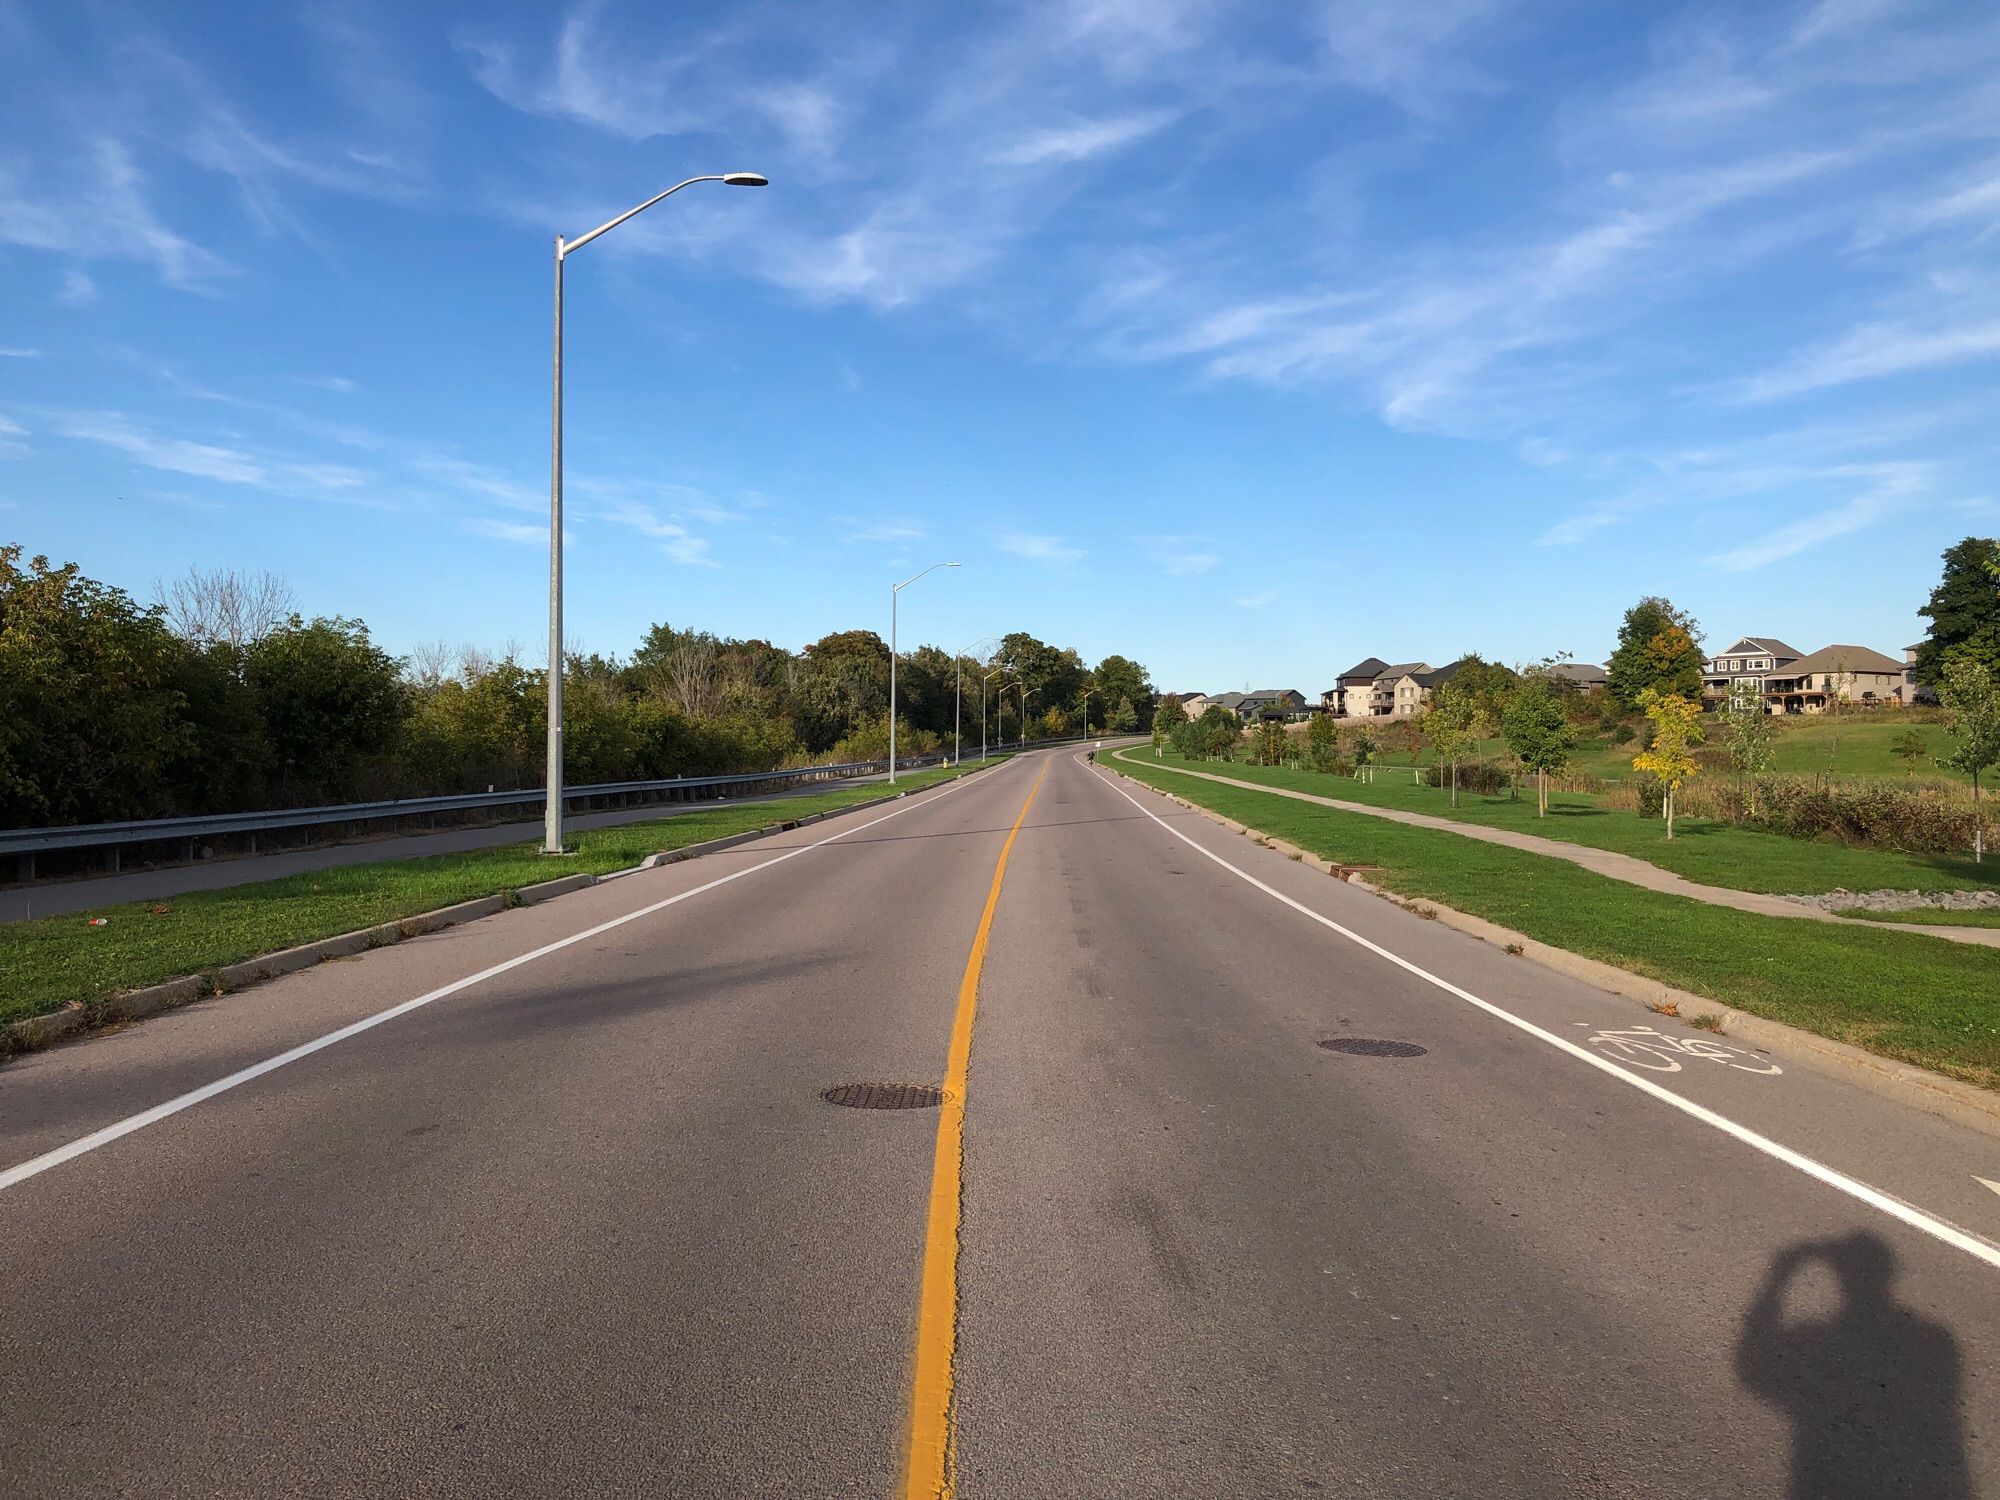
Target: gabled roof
(1274,693)
(1227,700)
(1838,659)
(1579,671)
(1770,645)
(1404,669)
(1368,668)
(1444,673)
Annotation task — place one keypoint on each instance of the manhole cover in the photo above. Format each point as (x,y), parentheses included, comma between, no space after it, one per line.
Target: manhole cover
(885,1095)
(1363,1046)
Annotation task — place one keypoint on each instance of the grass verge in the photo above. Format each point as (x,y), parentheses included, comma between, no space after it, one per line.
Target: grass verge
(56,961)
(1712,853)
(1928,917)
(1903,995)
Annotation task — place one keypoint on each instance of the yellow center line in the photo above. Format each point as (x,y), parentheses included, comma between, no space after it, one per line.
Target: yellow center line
(928,1470)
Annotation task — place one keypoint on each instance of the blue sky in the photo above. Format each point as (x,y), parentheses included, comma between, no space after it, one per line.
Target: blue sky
(1245,340)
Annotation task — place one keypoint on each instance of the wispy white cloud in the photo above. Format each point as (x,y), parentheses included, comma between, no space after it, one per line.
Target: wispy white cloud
(518,532)
(1258,600)
(11,433)
(102,211)
(16,352)
(672,538)
(1896,491)
(77,290)
(1875,350)
(1038,547)
(1414,54)
(1079,140)
(882,529)
(1181,556)
(171,455)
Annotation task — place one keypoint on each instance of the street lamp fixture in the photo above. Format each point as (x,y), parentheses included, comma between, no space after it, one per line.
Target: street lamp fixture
(895,593)
(552,826)
(996,672)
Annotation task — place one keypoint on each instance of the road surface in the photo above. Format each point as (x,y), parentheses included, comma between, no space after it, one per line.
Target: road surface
(585,1225)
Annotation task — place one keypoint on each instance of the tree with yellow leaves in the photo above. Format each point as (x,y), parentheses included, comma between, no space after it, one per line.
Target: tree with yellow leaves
(1676,732)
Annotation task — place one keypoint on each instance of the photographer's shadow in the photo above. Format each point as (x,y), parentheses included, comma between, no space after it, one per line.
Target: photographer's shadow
(1872,1390)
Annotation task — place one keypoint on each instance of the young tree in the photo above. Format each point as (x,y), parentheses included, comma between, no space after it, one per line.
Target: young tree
(1658,649)
(1270,744)
(1747,733)
(1970,693)
(1676,732)
(1539,732)
(1910,747)
(1453,725)
(1322,742)
(1964,610)
(1169,717)
(1124,717)
(1364,746)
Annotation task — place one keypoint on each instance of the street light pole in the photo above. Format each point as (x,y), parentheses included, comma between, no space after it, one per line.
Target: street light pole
(997,671)
(958,698)
(895,593)
(1026,693)
(552,822)
(1086,709)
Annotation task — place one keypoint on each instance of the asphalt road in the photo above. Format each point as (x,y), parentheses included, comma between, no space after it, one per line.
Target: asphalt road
(586,1226)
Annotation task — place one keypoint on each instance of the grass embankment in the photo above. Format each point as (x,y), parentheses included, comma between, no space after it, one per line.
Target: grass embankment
(55,961)
(1712,853)
(1918,999)
(1928,917)
(1857,744)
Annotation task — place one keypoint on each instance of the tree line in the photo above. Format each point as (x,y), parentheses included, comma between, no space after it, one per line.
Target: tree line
(220,696)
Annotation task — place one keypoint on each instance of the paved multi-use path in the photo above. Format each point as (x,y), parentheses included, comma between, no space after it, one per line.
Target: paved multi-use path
(1605,862)
(584,1225)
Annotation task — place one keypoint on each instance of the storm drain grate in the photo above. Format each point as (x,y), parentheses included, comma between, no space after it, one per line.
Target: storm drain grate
(885,1095)
(1364,1046)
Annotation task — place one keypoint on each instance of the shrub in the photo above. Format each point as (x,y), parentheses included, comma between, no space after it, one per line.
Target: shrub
(1485,778)
(1622,735)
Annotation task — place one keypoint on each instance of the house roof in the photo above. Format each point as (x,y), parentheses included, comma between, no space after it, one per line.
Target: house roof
(1404,669)
(1766,643)
(1579,671)
(1274,693)
(1846,659)
(1444,673)
(1228,700)
(1367,669)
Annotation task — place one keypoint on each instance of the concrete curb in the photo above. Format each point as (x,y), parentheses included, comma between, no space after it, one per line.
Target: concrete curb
(35,1032)
(1962,1103)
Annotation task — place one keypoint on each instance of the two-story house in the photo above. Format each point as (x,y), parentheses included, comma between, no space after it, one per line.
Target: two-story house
(1348,697)
(1288,704)
(1835,674)
(1194,704)
(1754,658)
(1399,692)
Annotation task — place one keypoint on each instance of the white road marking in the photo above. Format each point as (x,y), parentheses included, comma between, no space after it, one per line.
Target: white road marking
(1988,1182)
(1895,1208)
(97,1138)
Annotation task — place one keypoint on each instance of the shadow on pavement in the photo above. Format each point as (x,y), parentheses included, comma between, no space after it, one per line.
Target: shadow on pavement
(1872,1389)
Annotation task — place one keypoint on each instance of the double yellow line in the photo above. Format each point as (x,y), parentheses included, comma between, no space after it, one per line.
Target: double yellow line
(928,1468)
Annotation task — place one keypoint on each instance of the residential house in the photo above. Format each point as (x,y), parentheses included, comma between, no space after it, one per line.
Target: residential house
(1583,674)
(1399,692)
(1754,658)
(1193,704)
(1233,702)
(1288,704)
(1914,691)
(1835,674)
(1348,697)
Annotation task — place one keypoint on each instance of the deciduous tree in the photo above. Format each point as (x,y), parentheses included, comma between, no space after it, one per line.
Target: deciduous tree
(1676,732)
(1658,648)
(1539,732)
(1964,610)
(1969,690)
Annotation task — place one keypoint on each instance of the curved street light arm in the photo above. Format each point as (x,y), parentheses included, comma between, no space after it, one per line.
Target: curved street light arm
(563,247)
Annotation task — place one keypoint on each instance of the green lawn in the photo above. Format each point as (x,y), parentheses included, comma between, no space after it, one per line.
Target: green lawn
(1919,999)
(1849,744)
(1930,918)
(54,961)
(1712,853)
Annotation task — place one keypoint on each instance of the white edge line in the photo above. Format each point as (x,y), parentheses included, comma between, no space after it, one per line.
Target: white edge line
(1875,1198)
(83,1145)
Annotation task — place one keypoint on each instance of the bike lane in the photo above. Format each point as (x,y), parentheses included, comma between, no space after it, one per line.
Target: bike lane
(1789,1092)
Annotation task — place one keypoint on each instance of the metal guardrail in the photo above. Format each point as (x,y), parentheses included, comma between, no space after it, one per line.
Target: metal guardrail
(25,843)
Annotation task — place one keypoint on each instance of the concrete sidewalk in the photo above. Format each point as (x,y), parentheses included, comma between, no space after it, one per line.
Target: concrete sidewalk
(1605,862)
